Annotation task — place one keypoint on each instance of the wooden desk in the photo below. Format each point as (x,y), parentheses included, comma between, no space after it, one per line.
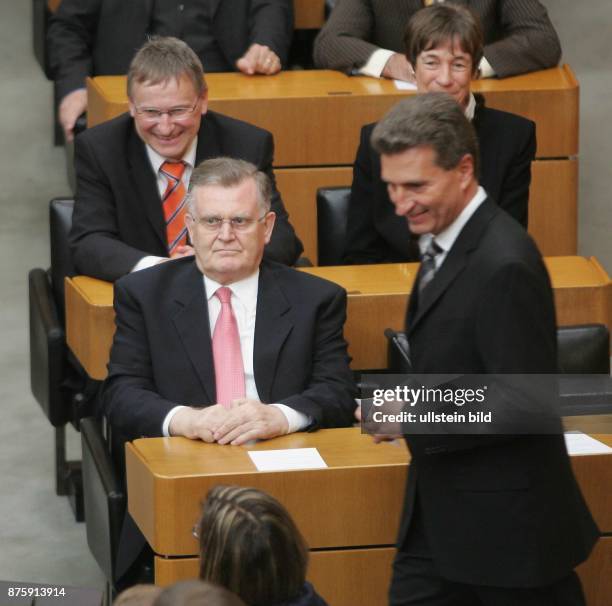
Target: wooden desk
(316,116)
(363,489)
(377,299)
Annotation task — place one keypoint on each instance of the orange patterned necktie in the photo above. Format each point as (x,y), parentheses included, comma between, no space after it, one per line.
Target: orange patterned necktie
(173,203)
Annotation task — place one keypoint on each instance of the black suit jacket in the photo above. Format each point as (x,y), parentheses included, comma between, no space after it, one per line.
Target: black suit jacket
(118,217)
(376,235)
(162,352)
(100,37)
(519,36)
(497,510)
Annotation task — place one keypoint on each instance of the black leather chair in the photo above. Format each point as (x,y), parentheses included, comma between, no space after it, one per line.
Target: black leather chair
(583,353)
(58,383)
(104,498)
(332,214)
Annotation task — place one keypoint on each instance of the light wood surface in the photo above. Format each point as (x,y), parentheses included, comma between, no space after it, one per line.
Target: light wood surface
(377,299)
(165,504)
(308,14)
(316,115)
(172,475)
(552,203)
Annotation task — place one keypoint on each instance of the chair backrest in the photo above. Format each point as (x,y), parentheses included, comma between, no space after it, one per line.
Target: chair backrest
(332,215)
(584,349)
(104,497)
(60,222)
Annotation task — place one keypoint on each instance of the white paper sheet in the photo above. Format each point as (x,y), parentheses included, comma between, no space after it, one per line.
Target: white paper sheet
(401,85)
(579,443)
(287,459)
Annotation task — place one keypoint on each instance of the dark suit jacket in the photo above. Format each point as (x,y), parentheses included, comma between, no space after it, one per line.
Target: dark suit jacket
(100,37)
(519,36)
(376,235)
(497,510)
(118,216)
(162,353)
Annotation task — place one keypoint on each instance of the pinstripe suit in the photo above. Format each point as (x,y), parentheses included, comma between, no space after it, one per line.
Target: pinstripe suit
(519,36)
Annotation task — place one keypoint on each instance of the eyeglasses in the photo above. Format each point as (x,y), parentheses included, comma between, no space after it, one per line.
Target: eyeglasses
(152,114)
(240,224)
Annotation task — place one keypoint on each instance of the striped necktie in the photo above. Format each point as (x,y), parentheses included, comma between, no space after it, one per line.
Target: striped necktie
(428,264)
(173,203)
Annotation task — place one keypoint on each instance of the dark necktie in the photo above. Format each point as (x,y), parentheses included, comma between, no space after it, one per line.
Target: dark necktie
(428,264)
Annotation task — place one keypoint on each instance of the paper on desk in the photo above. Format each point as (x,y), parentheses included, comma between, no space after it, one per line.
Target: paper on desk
(579,443)
(287,459)
(401,85)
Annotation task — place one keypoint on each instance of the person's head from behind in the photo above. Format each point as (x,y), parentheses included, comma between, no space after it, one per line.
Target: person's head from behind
(197,593)
(167,95)
(250,544)
(138,595)
(444,45)
(229,218)
(429,160)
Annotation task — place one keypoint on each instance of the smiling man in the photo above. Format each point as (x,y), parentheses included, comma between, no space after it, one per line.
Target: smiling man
(133,171)
(492,518)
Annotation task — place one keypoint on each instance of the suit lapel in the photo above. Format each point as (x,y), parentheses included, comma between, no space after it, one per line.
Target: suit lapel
(145,184)
(192,325)
(455,262)
(209,145)
(273,324)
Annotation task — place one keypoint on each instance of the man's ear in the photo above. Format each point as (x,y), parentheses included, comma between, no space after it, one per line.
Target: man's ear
(132,108)
(466,170)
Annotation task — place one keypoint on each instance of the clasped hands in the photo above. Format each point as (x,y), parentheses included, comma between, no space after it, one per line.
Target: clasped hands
(246,419)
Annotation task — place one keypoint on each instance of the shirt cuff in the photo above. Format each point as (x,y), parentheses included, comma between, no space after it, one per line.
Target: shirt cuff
(148,261)
(295,419)
(376,63)
(166,423)
(486,71)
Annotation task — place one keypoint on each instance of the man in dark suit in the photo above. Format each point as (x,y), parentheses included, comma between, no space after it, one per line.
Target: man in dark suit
(267,360)
(365,37)
(491,519)
(100,37)
(124,215)
(444,43)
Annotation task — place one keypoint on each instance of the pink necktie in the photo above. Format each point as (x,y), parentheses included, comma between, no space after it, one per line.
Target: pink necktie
(229,369)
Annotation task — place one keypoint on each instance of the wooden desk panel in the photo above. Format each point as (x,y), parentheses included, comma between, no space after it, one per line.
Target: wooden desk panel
(308,14)
(316,115)
(343,577)
(553,213)
(377,299)
(169,478)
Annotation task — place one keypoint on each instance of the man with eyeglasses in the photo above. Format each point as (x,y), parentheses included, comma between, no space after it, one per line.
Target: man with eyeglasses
(99,37)
(225,346)
(133,171)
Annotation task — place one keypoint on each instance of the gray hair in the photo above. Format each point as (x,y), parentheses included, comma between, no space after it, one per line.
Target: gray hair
(229,172)
(432,120)
(161,59)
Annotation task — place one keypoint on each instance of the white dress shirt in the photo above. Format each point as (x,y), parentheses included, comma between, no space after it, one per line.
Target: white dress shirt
(244,305)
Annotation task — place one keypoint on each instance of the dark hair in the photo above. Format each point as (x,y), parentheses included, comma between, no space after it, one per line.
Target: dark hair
(438,24)
(197,593)
(229,172)
(161,59)
(433,120)
(250,544)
